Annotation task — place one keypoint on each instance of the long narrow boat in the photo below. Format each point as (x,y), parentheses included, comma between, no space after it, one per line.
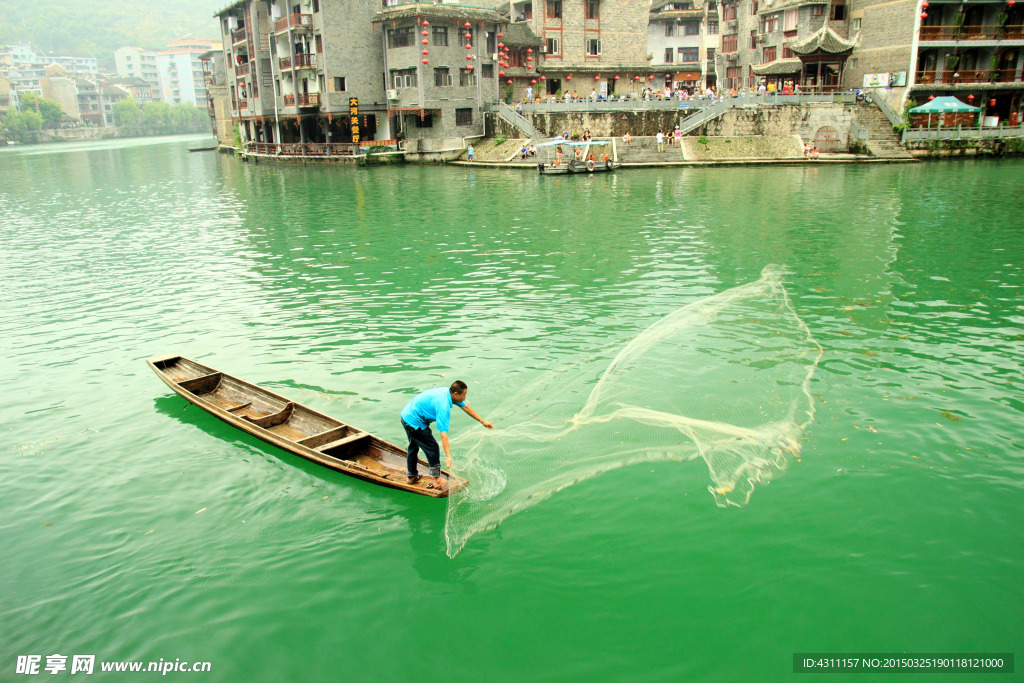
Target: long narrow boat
(294,427)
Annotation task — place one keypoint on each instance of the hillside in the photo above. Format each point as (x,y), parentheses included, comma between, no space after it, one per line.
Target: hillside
(98,27)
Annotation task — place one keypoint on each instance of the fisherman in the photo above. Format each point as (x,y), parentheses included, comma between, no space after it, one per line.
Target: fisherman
(433,405)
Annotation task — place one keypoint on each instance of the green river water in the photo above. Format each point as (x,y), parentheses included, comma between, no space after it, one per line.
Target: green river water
(136,527)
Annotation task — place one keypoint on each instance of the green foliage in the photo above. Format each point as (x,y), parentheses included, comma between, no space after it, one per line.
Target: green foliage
(703,140)
(236,137)
(899,128)
(98,27)
(49,109)
(499,140)
(21,124)
(127,113)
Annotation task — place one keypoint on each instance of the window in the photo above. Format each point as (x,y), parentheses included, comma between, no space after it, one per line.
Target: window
(770,24)
(443,77)
(838,12)
(404,78)
(753,40)
(856,24)
(768,55)
(729,43)
(786,52)
(553,9)
(339,84)
(464,117)
(711,54)
(466,77)
(817,10)
(492,42)
(791,20)
(712,28)
(668,55)
(692,28)
(425,121)
(441,36)
(400,37)
(730,13)
(554,46)
(487,71)
(670,29)
(593,9)
(688,54)
(593,47)
(753,7)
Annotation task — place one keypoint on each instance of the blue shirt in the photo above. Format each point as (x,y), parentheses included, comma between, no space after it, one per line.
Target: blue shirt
(433,405)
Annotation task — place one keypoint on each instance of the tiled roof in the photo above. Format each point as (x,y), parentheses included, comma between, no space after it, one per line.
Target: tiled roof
(520,33)
(439,11)
(778,68)
(825,40)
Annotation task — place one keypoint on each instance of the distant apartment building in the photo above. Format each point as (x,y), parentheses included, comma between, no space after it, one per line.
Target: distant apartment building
(78,65)
(140,90)
(327,71)
(181,71)
(134,62)
(683,41)
(586,46)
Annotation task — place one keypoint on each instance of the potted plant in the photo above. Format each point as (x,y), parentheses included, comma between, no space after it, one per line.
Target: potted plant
(508,94)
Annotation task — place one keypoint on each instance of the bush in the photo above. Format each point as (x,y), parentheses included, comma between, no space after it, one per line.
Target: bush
(499,140)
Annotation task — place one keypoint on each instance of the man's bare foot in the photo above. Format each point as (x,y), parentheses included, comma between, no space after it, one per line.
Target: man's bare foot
(439,484)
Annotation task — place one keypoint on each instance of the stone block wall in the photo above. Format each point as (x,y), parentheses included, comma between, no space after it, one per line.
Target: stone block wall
(804,120)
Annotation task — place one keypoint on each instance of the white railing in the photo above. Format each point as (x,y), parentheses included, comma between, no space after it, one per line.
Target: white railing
(963,133)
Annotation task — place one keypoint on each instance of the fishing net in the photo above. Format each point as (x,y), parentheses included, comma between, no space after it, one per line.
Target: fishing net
(725,379)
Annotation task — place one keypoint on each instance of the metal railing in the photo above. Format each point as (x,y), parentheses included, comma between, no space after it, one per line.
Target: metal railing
(514,118)
(242,69)
(963,133)
(293,21)
(239,35)
(982,32)
(953,76)
(316,149)
(301,61)
(883,104)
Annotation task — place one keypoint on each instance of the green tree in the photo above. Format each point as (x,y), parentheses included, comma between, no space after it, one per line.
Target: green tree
(156,115)
(127,113)
(33,119)
(49,110)
(15,124)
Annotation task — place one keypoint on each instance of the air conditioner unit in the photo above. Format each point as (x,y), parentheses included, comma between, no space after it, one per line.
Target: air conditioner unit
(761,37)
(543,49)
(392,94)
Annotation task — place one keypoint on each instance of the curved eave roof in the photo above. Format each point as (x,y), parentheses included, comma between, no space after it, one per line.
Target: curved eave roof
(825,40)
(779,67)
(440,11)
(520,33)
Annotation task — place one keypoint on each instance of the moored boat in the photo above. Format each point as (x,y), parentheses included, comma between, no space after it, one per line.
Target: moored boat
(556,165)
(294,427)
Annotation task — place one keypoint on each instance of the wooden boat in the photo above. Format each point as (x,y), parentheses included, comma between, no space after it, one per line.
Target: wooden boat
(294,427)
(576,167)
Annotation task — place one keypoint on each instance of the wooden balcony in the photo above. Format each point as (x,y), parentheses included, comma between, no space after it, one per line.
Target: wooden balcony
(239,36)
(984,32)
(243,105)
(293,21)
(311,99)
(289,100)
(301,61)
(969,76)
(315,149)
(242,69)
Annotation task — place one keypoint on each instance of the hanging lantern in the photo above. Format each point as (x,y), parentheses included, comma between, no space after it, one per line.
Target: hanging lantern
(509,81)
(543,78)
(501,45)
(924,15)
(529,59)
(425,41)
(597,78)
(651,77)
(616,78)
(426,52)
(500,36)
(992,102)
(426,23)
(469,56)
(501,73)
(467,24)
(425,60)
(636,78)
(1009,3)
(970,98)
(468,46)
(529,50)
(468,36)
(469,68)
(924,5)
(569,77)
(931,97)
(533,81)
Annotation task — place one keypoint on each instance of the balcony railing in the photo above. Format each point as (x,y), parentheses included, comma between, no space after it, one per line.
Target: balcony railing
(293,21)
(243,105)
(315,149)
(984,32)
(242,69)
(311,99)
(289,100)
(239,36)
(951,77)
(301,61)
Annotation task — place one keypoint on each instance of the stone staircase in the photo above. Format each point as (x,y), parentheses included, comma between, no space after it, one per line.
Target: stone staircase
(882,141)
(643,150)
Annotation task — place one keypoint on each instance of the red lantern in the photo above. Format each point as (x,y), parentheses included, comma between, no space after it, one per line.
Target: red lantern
(426,23)
(651,77)
(543,78)
(468,36)
(469,56)
(616,78)
(501,73)
(509,81)
(970,98)
(924,15)
(426,52)
(636,78)
(569,77)
(425,60)
(426,33)
(529,67)
(597,78)
(1009,3)
(533,81)
(992,102)
(425,41)
(924,5)
(931,97)
(501,45)
(529,59)
(468,46)
(469,68)
(500,36)
(467,24)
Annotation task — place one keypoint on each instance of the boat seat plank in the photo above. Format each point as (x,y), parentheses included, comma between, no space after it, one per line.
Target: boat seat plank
(273,419)
(203,384)
(240,406)
(341,442)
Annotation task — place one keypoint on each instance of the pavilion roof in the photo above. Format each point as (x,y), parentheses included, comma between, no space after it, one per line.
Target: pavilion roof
(825,40)
(778,68)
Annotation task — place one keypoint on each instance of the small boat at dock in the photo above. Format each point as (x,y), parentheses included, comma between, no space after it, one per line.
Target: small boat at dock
(294,427)
(557,166)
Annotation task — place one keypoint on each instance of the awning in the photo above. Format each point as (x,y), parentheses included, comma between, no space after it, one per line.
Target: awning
(945,105)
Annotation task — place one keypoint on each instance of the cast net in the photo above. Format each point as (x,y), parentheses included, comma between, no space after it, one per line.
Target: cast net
(725,379)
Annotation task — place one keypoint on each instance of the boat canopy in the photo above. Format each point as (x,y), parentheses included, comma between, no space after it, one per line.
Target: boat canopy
(567,143)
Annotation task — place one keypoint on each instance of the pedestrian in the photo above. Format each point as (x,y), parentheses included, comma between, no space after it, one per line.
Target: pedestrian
(470,152)
(433,405)
(660,137)
(678,135)
(626,138)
